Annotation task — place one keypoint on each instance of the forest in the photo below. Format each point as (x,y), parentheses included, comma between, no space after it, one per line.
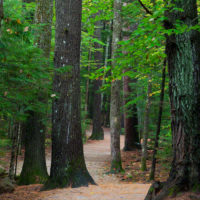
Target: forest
(99,99)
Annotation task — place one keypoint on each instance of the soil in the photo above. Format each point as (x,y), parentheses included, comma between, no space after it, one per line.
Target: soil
(110,187)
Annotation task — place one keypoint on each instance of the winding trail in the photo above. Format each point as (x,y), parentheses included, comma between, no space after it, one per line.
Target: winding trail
(97,154)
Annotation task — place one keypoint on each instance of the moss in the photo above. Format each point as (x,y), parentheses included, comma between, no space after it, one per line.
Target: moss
(75,174)
(143,164)
(32,176)
(174,191)
(116,167)
(196,187)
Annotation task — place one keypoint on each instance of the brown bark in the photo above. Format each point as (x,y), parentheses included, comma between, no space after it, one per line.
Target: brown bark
(68,166)
(146,126)
(97,131)
(1,11)
(183,56)
(115,114)
(156,144)
(130,120)
(34,168)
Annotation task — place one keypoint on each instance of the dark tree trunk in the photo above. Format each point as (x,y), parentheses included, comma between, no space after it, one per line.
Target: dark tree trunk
(34,168)
(146,127)
(130,120)
(183,56)
(44,15)
(115,104)
(1,11)
(68,166)
(37,172)
(153,166)
(13,151)
(97,131)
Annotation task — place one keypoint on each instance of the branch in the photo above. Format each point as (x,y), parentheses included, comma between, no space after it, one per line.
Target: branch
(145,8)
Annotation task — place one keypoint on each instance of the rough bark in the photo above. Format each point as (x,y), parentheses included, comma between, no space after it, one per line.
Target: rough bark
(183,56)
(146,127)
(68,166)
(13,151)
(34,169)
(115,114)
(44,15)
(130,121)
(1,12)
(97,131)
(156,144)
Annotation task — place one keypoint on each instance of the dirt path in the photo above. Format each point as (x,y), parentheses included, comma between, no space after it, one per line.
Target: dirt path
(97,156)
(97,153)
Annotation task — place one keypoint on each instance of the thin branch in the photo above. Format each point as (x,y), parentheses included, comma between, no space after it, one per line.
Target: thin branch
(145,8)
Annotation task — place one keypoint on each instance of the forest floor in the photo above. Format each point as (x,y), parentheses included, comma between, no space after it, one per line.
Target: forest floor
(132,184)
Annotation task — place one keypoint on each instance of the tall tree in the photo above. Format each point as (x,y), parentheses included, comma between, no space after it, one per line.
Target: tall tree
(146,126)
(115,104)
(68,166)
(130,120)
(183,56)
(97,130)
(156,143)
(1,11)
(34,167)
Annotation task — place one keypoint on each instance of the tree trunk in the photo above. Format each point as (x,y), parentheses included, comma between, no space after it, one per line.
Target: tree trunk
(115,105)
(183,56)
(13,151)
(130,121)
(153,166)
(146,127)
(1,13)
(68,166)
(44,15)
(97,131)
(34,168)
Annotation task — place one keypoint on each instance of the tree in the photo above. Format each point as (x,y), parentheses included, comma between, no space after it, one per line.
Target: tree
(183,57)
(146,126)
(130,120)
(68,166)
(115,104)
(156,143)
(97,130)
(1,11)
(34,167)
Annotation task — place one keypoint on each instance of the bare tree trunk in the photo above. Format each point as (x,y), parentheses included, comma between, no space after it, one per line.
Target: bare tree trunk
(13,151)
(68,166)
(146,127)
(115,114)
(97,131)
(153,166)
(130,120)
(1,13)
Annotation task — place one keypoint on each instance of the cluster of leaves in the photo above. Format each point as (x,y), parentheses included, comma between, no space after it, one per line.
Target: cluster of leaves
(24,71)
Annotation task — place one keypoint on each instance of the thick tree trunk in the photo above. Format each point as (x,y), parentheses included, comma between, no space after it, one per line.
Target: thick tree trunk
(183,56)
(115,114)
(34,169)
(68,166)
(130,120)
(153,166)
(146,127)
(97,131)
(44,15)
